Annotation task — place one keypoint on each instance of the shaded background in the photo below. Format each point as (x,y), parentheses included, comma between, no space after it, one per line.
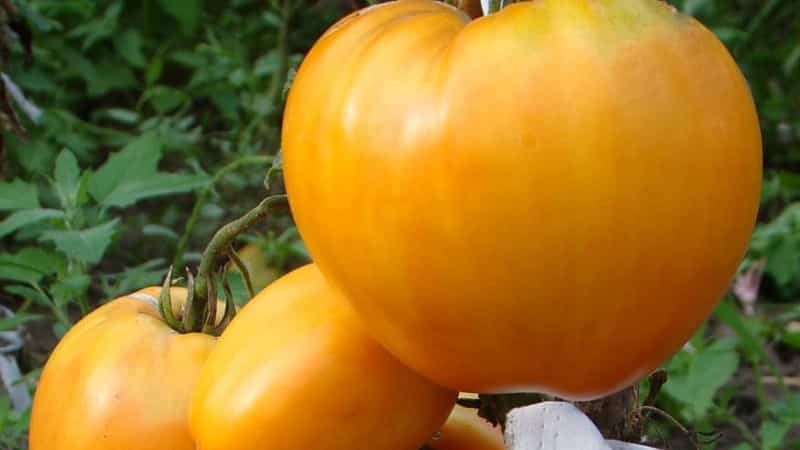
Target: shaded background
(157,120)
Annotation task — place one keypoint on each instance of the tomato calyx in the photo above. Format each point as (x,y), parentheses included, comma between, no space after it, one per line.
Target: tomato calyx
(209,322)
(199,313)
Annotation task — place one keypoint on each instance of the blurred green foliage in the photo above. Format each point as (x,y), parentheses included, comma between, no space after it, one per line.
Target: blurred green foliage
(160,118)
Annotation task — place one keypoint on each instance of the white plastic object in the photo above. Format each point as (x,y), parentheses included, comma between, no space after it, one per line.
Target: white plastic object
(557,426)
(10,344)
(28,107)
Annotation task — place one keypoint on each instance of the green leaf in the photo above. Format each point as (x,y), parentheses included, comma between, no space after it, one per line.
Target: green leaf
(110,76)
(26,217)
(67,289)
(788,408)
(137,160)
(772,434)
(727,313)
(165,98)
(148,274)
(10,271)
(130,175)
(155,230)
(100,28)
(34,155)
(67,178)
(30,265)
(791,339)
(13,322)
(154,186)
(29,293)
(18,195)
(186,12)
(709,371)
(154,70)
(35,258)
(87,245)
(783,262)
(791,61)
(129,45)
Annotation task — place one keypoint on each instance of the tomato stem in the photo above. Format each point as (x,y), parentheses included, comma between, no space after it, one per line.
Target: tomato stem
(205,288)
(188,308)
(202,197)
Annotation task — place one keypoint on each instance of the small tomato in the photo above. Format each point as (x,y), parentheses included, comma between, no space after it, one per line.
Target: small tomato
(294,369)
(465,430)
(119,379)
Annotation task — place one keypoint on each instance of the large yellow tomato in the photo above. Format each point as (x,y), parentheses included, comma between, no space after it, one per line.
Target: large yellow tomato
(295,370)
(120,379)
(550,198)
(465,430)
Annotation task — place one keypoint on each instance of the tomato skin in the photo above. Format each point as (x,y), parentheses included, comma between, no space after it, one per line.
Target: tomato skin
(119,379)
(551,198)
(465,430)
(295,370)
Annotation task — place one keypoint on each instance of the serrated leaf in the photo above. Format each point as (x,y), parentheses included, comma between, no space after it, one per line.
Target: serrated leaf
(10,271)
(36,258)
(164,98)
(148,274)
(26,217)
(66,176)
(727,313)
(129,45)
(110,76)
(783,262)
(186,12)
(18,195)
(709,371)
(67,170)
(156,185)
(788,409)
(29,265)
(772,434)
(101,28)
(87,245)
(137,160)
(67,289)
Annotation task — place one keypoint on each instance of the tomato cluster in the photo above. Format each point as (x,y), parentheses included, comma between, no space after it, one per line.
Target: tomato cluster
(552,197)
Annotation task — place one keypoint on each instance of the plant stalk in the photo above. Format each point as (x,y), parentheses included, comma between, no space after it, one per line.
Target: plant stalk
(218,248)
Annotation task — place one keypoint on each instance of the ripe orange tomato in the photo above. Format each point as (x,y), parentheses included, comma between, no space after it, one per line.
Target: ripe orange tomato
(119,379)
(295,369)
(465,430)
(549,198)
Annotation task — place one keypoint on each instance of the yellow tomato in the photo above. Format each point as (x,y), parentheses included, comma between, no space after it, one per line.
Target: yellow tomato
(120,379)
(261,274)
(465,430)
(295,371)
(549,198)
